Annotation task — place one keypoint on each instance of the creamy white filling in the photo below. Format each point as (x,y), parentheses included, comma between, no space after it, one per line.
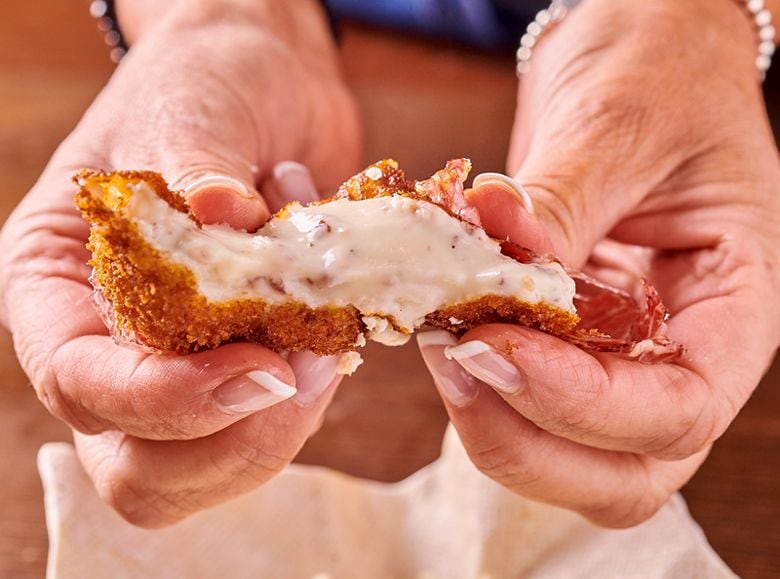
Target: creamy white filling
(389,256)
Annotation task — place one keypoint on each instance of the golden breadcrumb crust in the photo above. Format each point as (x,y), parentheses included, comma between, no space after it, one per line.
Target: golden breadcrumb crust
(155,303)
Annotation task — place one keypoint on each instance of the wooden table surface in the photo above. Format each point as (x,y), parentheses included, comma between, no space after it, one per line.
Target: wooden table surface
(52,63)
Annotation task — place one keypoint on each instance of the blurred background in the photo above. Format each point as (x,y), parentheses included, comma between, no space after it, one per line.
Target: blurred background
(52,64)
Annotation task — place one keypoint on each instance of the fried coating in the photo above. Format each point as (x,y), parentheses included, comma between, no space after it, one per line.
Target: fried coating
(150,301)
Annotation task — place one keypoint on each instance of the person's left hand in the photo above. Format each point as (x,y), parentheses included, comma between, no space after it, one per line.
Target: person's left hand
(642,138)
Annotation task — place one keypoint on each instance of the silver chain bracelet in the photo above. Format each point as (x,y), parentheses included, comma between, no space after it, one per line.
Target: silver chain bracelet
(558,9)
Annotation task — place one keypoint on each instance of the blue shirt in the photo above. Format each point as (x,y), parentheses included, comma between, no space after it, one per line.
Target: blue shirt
(484,23)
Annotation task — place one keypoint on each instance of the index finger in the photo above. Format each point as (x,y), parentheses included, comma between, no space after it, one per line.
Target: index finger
(156,483)
(91,383)
(667,410)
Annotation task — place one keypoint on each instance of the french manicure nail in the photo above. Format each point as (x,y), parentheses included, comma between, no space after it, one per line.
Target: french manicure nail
(483,362)
(251,392)
(295,182)
(218,182)
(458,386)
(313,375)
(515,185)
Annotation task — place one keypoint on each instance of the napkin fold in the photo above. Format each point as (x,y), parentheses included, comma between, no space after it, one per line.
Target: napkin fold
(445,521)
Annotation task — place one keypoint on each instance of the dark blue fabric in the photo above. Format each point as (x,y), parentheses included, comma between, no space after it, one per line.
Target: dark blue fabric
(487,23)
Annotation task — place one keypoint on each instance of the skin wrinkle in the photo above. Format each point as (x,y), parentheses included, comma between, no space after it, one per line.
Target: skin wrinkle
(676,390)
(60,219)
(628,118)
(728,290)
(572,411)
(166,419)
(58,405)
(36,270)
(561,218)
(168,112)
(498,460)
(81,398)
(256,461)
(636,505)
(82,419)
(26,350)
(138,504)
(693,439)
(38,242)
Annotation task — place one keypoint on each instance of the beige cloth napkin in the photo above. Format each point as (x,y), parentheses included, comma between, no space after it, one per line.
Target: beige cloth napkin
(446,521)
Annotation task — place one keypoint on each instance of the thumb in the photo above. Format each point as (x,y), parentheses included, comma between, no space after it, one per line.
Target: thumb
(219,186)
(507,212)
(587,157)
(574,213)
(547,209)
(219,198)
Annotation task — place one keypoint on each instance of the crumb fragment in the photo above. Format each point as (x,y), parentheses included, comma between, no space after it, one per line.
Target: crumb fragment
(348,363)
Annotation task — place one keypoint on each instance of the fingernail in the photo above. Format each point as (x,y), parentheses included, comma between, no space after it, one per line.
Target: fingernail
(219,199)
(515,185)
(484,363)
(214,182)
(294,182)
(251,392)
(313,375)
(456,385)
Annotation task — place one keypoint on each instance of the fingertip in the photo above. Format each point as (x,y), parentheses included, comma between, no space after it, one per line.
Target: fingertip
(220,199)
(290,182)
(122,482)
(504,213)
(503,182)
(455,385)
(315,375)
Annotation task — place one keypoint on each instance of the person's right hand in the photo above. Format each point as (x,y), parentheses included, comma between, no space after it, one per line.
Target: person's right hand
(226,89)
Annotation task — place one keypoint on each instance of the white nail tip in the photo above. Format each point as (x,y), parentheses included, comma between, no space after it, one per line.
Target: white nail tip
(467,350)
(272,384)
(216,180)
(284,167)
(514,184)
(484,363)
(436,338)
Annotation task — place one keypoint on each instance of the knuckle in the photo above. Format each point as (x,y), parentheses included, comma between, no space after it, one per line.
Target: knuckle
(134,499)
(561,199)
(693,439)
(149,416)
(500,461)
(257,460)
(626,513)
(577,405)
(694,429)
(49,393)
(156,405)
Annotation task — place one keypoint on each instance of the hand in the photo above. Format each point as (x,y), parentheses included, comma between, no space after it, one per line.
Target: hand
(230,95)
(642,138)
